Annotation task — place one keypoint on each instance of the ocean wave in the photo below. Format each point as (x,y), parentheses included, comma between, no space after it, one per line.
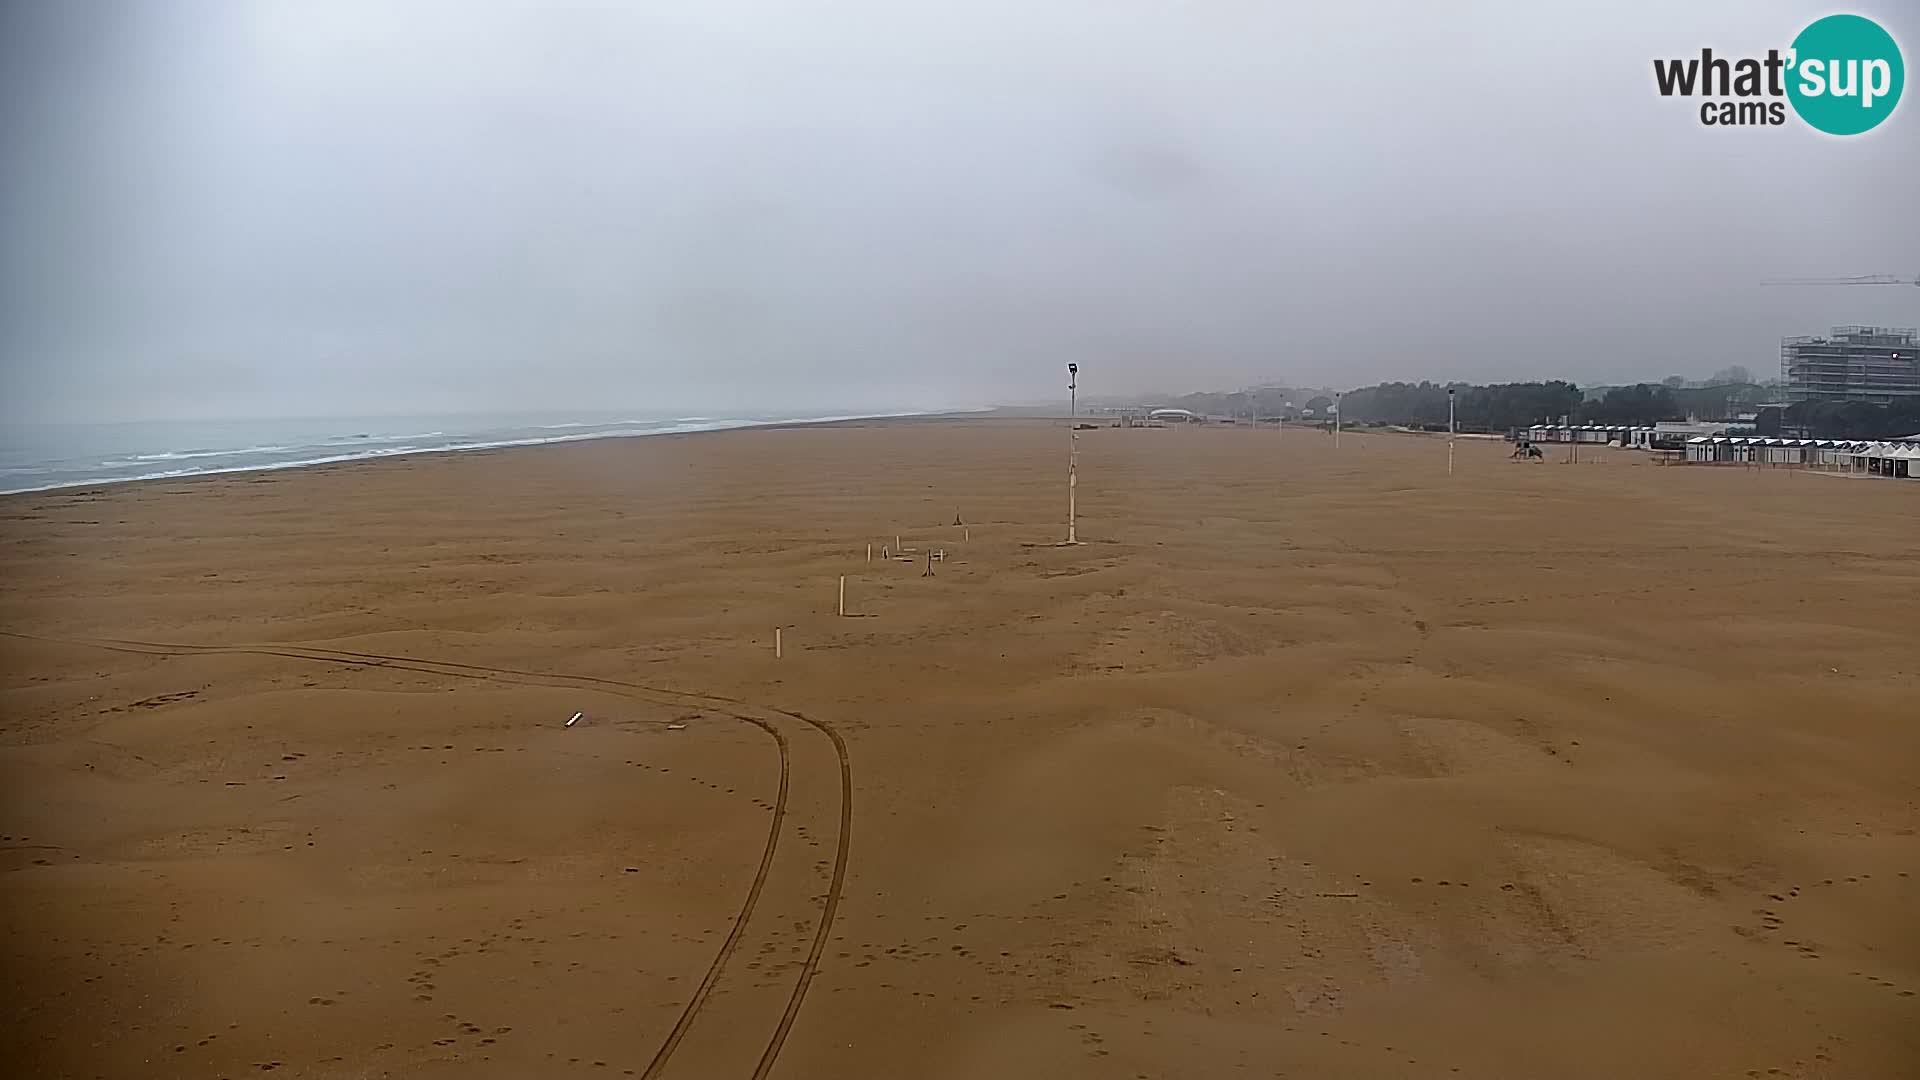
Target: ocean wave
(367,452)
(363,439)
(185,455)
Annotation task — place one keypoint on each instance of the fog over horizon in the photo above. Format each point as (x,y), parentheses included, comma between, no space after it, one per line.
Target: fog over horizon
(220,208)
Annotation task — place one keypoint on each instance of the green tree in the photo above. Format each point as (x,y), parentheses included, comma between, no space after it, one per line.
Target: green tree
(1854,419)
(1640,405)
(1500,407)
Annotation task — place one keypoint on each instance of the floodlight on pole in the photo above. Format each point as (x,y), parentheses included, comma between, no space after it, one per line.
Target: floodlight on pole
(1073,450)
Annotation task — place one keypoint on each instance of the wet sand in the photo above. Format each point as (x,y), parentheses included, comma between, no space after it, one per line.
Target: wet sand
(1306,763)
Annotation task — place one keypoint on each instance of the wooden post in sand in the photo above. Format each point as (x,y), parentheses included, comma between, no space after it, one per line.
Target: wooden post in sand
(776,643)
(843,594)
(869,552)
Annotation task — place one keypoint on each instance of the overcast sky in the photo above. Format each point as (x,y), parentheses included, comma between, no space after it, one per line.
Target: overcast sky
(262,208)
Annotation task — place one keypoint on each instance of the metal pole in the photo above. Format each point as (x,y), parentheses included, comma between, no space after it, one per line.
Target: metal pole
(1450,431)
(1336,419)
(1073,450)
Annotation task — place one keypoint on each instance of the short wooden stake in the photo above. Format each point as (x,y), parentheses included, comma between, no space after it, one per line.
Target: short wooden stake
(869,552)
(776,643)
(843,594)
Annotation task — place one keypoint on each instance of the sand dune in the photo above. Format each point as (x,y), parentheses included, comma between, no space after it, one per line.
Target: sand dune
(1307,763)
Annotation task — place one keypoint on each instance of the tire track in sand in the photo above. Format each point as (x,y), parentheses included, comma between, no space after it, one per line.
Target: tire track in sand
(733,707)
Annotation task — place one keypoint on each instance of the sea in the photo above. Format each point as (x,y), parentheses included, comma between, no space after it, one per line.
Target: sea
(41,457)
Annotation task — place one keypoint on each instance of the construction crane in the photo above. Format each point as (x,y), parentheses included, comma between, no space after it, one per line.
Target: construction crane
(1863,279)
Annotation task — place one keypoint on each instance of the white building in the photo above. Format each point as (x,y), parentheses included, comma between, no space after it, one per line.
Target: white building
(1673,434)
(1601,434)
(1879,458)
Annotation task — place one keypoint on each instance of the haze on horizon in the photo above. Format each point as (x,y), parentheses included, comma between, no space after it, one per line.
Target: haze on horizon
(269,208)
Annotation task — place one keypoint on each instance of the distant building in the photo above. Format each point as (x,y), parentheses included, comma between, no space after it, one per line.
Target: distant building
(1601,434)
(1665,435)
(1878,364)
(1673,434)
(1869,458)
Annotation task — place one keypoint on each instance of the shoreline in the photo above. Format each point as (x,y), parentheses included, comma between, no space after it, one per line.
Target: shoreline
(507,444)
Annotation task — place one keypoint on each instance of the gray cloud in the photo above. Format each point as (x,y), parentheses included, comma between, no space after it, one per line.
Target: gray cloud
(283,208)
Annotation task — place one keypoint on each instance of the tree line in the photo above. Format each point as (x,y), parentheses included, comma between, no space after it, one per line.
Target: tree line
(1851,419)
(1502,407)
(1498,407)
(1505,406)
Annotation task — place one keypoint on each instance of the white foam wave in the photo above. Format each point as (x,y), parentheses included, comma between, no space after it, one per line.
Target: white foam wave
(189,455)
(370,452)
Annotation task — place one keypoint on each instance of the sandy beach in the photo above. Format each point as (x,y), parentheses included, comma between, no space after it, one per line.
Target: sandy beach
(1307,763)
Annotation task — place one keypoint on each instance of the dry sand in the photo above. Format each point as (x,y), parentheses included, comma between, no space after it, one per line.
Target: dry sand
(1307,764)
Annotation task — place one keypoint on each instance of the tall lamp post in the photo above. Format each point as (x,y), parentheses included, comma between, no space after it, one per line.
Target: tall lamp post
(1073,448)
(1336,419)
(1450,431)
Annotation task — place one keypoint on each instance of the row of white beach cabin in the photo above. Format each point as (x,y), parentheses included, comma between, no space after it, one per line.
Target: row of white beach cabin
(1877,458)
(1665,435)
(1600,434)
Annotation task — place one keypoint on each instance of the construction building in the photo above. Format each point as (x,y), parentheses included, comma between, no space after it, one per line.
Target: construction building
(1879,364)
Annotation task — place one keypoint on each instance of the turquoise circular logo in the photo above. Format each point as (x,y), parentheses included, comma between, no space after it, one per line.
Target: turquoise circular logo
(1847,74)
